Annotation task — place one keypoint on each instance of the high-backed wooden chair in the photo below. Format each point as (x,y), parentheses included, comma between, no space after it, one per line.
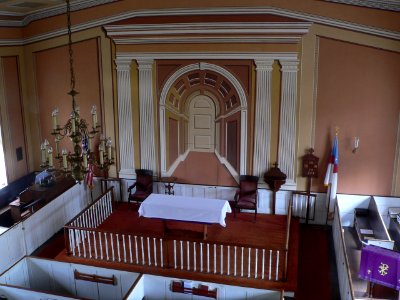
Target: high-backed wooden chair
(246,196)
(143,185)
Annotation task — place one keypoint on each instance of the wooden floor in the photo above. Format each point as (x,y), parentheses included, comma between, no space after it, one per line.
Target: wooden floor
(267,231)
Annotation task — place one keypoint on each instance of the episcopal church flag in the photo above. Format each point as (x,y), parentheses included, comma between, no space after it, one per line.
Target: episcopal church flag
(331,176)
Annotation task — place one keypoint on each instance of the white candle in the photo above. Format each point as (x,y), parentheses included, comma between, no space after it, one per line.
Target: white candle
(55,118)
(50,153)
(57,140)
(94,116)
(64,158)
(109,148)
(101,155)
(43,150)
(85,163)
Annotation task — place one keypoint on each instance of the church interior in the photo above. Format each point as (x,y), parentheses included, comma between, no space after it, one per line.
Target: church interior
(193,150)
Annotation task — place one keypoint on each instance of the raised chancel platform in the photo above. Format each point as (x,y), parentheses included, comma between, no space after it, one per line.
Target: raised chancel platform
(245,252)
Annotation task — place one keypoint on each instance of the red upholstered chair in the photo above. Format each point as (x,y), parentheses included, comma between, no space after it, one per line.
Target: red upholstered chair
(246,196)
(143,185)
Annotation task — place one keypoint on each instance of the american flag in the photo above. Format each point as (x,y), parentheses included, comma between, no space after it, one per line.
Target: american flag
(331,176)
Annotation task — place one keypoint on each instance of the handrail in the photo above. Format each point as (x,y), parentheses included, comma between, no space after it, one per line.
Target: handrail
(346,260)
(289,219)
(92,204)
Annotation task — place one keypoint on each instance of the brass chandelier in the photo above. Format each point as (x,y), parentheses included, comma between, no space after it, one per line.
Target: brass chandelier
(82,159)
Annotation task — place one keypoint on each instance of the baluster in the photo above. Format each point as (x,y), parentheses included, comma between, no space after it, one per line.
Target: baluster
(181,255)
(222,259)
(162,254)
(148,251)
(155,252)
(78,238)
(234,270)
(201,257)
(96,216)
(71,241)
(208,258)
(119,252)
(123,244)
(137,250)
(188,255)
(112,246)
(215,259)
(194,256)
(141,243)
(255,268)
(90,247)
(229,260)
(263,263)
(91,217)
(130,248)
(248,264)
(95,244)
(241,273)
(101,246)
(277,265)
(83,244)
(105,239)
(175,254)
(270,264)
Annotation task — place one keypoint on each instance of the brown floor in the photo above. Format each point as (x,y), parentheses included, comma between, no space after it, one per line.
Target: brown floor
(194,170)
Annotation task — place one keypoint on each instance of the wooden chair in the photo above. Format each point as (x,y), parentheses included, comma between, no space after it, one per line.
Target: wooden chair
(143,185)
(246,196)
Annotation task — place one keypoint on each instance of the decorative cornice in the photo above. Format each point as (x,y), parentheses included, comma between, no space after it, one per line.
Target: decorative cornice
(380,4)
(49,12)
(281,56)
(207,39)
(221,11)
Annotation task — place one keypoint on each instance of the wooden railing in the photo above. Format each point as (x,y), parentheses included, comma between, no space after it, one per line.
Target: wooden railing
(84,240)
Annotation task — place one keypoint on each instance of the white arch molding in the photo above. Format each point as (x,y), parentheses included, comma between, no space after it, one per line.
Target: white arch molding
(243,108)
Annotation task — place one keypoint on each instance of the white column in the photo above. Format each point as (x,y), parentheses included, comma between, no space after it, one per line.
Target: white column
(287,126)
(125,124)
(146,109)
(262,138)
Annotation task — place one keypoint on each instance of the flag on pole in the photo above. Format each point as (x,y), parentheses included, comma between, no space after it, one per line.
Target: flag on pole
(331,176)
(89,177)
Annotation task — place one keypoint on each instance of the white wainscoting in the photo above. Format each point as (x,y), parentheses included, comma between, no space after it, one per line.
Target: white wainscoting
(25,237)
(56,277)
(156,287)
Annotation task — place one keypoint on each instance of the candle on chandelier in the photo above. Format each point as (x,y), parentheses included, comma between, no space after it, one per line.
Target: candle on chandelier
(64,158)
(108,144)
(50,153)
(85,162)
(94,116)
(101,155)
(43,151)
(54,114)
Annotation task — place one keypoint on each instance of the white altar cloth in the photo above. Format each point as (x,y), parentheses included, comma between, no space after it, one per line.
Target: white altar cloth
(182,208)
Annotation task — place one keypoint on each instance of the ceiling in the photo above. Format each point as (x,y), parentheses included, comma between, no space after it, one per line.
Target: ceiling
(25,7)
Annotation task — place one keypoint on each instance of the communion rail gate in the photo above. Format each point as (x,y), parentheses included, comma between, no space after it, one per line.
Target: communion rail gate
(84,240)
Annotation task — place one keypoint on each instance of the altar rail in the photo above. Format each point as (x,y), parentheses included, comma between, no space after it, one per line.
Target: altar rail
(84,240)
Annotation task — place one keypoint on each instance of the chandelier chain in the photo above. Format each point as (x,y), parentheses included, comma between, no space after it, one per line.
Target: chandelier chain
(71,59)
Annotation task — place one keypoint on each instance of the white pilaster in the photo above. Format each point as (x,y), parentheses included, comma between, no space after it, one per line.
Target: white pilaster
(125,124)
(262,138)
(146,109)
(287,126)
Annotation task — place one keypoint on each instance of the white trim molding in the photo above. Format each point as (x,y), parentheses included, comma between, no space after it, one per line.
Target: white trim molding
(262,138)
(379,4)
(213,11)
(146,109)
(287,126)
(396,169)
(125,124)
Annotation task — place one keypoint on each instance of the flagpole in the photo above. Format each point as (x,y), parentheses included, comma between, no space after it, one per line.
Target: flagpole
(329,181)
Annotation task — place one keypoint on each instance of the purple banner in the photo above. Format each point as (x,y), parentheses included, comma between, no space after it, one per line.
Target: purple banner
(380,266)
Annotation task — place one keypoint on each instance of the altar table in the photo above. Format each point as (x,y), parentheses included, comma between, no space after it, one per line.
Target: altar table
(188,209)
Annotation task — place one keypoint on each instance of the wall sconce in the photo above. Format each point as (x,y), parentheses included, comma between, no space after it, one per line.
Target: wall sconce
(356,144)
